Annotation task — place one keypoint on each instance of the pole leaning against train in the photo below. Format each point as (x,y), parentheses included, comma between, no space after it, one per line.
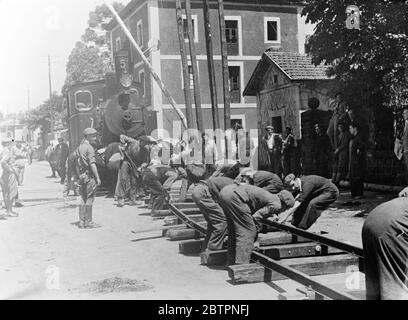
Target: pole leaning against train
(147,63)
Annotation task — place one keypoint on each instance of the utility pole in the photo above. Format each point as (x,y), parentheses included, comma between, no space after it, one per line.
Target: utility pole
(28,100)
(211,69)
(225,72)
(184,63)
(196,80)
(50,106)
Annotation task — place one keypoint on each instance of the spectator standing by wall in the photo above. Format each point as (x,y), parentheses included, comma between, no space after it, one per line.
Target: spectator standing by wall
(357,161)
(341,155)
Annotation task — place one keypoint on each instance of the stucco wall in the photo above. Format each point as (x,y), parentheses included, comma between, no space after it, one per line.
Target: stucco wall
(282,102)
(250,118)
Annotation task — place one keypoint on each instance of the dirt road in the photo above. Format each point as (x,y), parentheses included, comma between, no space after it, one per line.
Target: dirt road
(45,256)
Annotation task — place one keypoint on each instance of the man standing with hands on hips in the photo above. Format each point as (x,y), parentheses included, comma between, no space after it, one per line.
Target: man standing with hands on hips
(88,178)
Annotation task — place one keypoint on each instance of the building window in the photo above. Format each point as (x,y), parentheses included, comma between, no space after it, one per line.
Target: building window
(143,83)
(235,83)
(231,33)
(237,122)
(272,30)
(139,33)
(118,45)
(185,28)
(275,79)
(190,72)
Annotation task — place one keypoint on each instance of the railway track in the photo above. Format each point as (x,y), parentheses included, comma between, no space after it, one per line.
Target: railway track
(285,252)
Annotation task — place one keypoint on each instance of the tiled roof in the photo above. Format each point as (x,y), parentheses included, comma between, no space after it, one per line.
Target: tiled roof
(298,66)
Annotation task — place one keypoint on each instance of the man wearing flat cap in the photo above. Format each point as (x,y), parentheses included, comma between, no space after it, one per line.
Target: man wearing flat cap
(245,206)
(262,179)
(274,141)
(88,178)
(314,194)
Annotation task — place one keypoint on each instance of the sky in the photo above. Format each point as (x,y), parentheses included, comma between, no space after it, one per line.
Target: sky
(29,31)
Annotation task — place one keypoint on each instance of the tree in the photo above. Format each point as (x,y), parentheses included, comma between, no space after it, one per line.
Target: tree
(40,117)
(95,35)
(84,64)
(369,63)
(91,57)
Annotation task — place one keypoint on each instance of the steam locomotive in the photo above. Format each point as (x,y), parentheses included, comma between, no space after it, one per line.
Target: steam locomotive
(113,106)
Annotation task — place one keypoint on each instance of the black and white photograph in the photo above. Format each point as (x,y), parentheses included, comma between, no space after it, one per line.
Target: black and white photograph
(223,151)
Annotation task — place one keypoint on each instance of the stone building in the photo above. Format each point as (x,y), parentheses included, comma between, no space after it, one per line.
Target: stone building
(282,83)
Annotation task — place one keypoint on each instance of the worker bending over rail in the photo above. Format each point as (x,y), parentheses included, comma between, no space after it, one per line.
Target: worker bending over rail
(206,195)
(315,194)
(262,179)
(159,179)
(245,206)
(385,245)
(133,154)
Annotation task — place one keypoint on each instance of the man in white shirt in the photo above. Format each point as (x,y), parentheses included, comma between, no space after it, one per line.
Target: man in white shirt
(274,142)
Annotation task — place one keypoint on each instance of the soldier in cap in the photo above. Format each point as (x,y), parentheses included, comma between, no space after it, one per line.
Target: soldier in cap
(315,194)
(245,206)
(88,178)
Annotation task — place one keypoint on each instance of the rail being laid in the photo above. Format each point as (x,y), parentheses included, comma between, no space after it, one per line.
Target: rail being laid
(291,273)
(300,277)
(317,238)
(187,220)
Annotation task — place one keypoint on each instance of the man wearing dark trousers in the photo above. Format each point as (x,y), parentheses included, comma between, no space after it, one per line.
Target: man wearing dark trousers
(88,178)
(357,162)
(321,153)
(71,181)
(62,151)
(262,179)
(315,194)
(129,182)
(385,245)
(245,206)
(159,179)
(289,152)
(206,195)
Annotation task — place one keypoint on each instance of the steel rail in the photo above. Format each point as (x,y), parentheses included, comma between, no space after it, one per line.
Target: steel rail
(187,220)
(316,237)
(300,277)
(287,271)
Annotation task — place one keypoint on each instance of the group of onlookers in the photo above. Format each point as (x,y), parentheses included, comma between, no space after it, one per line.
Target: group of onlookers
(332,147)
